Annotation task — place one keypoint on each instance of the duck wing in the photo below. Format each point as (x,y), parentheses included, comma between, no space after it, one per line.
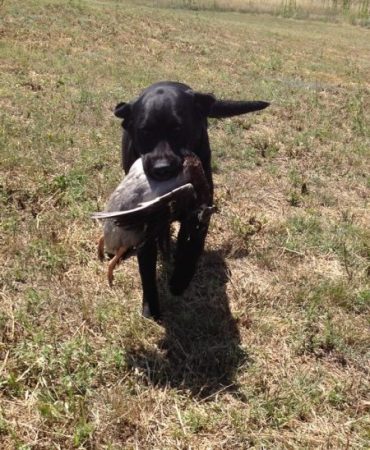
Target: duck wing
(168,206)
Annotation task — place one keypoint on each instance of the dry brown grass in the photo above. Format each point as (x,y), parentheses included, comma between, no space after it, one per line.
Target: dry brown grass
(269,347)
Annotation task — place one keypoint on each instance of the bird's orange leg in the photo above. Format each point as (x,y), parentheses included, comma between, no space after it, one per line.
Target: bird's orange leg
(114,261)
(101,248)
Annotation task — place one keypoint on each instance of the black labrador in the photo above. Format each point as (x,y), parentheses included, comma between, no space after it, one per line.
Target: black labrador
(166,119)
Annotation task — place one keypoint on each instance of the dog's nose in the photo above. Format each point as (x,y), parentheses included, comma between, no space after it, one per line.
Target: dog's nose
(163,170)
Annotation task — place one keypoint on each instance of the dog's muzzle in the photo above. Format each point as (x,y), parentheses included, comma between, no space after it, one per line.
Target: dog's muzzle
(162,167)
(163,170)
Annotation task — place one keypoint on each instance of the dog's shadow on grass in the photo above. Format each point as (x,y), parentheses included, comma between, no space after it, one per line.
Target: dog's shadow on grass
(201,350)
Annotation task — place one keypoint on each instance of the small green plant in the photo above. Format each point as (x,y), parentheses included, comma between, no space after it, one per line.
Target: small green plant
(3,426)
(195,420)
(337,397)
(82,434)
(295,199)
(72,185)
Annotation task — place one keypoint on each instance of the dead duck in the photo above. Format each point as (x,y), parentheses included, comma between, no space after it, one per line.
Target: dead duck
(140,207)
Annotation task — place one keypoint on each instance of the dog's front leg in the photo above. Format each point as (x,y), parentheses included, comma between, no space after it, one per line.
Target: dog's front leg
(190,245)
(147,258)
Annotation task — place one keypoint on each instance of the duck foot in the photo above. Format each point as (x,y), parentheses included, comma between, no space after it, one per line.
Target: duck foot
(114,261)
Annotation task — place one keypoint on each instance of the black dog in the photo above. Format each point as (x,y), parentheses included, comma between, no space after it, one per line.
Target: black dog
(164,120)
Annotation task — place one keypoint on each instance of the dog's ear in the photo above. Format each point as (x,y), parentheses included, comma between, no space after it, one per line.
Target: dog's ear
(202,101)
(123,111)
(229,108)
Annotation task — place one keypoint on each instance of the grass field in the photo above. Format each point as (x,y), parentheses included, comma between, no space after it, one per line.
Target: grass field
(269,347)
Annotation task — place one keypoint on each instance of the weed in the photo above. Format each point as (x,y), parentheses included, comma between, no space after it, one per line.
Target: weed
(82,434)
(294,199)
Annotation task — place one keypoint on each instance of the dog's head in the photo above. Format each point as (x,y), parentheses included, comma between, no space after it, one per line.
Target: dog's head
(168,120)
(165,122)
